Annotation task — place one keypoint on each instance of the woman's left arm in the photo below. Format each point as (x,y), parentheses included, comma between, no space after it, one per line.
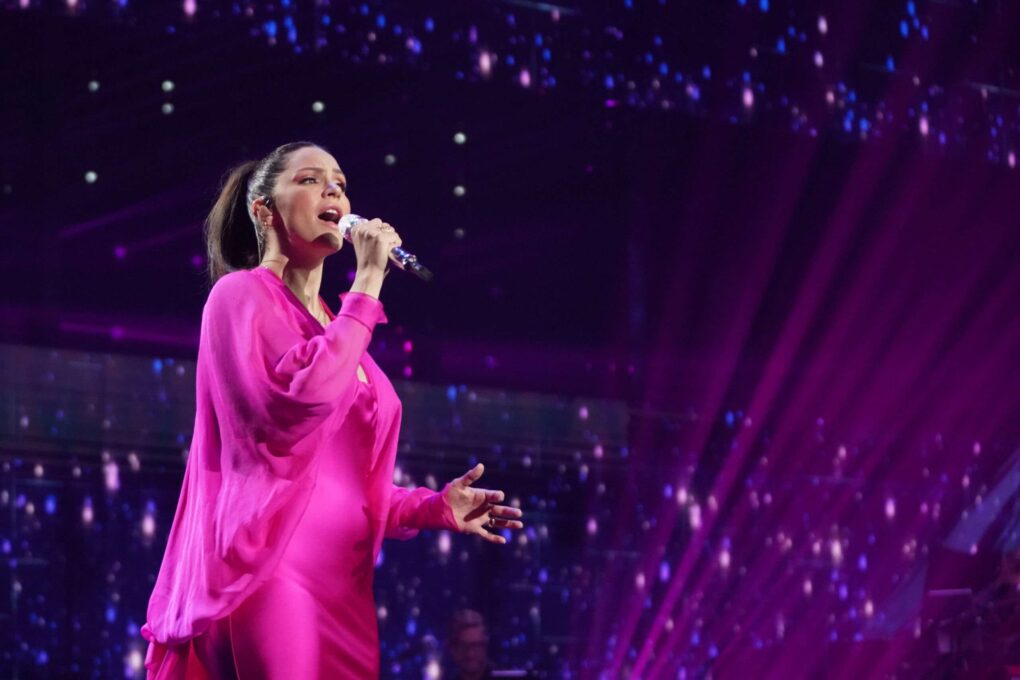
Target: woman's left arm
(458,507)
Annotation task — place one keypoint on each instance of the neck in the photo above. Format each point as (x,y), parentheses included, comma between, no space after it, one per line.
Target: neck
(303,279)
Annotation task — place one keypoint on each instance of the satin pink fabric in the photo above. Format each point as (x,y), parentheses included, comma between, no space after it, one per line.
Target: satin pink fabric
(287,494)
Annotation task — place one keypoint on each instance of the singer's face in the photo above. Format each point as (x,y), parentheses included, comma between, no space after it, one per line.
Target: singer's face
(311,184)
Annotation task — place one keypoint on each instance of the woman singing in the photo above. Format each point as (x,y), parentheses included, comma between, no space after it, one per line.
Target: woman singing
(288,488)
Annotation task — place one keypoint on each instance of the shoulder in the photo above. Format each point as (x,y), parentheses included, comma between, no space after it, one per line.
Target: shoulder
(239,294)
(236,287)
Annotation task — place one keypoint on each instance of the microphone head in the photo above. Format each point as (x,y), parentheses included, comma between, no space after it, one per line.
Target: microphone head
(347,223)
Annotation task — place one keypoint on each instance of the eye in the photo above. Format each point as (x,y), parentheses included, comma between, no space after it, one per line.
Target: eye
(302,181)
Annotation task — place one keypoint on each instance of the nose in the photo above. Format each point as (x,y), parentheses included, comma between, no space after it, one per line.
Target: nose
(334,188)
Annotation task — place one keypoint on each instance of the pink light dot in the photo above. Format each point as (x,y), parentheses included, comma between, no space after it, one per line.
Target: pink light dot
(408,346)
(748,97)
(582,413)
(189,8)
(525,78)
(408,371)
(120,252)
(922,126)
(593,526)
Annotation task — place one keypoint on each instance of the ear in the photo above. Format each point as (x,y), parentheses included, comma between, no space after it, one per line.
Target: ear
(262,212)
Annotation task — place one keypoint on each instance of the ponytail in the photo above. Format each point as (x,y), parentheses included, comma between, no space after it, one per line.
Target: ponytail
(233,239)
(230,236)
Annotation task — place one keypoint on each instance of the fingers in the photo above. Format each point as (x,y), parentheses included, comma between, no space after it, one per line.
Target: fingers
(505,511)
(492,538)
(472,475)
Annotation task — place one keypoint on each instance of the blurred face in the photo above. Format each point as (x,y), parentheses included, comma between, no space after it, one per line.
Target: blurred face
(309,199)
(469,649)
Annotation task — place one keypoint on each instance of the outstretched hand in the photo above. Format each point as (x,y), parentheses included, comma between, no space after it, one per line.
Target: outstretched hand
(476,510)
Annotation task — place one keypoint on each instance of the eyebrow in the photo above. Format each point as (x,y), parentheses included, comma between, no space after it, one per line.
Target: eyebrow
(319,170)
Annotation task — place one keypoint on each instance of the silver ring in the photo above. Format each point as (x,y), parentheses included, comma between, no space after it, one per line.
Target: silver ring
(492,522)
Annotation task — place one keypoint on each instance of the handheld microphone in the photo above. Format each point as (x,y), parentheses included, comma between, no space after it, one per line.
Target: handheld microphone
(400,257)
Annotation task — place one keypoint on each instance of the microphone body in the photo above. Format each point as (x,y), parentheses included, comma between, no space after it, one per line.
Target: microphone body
(400,257)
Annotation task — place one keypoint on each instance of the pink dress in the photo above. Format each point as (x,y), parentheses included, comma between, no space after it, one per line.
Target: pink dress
(287,494)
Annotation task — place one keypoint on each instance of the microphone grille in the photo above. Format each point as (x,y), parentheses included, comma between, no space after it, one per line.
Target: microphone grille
(347,223)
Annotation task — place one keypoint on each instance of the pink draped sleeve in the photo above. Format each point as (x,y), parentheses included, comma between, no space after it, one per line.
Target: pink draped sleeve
(264,391)
(421,508)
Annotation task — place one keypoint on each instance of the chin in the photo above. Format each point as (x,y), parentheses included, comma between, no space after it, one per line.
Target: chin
(333,240)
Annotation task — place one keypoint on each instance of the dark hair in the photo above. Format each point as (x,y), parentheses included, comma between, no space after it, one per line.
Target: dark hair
(232,237)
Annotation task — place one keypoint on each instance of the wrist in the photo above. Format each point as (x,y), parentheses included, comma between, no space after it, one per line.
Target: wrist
(368,281)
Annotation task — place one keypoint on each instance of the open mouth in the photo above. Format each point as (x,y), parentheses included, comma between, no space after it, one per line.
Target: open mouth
(330,216)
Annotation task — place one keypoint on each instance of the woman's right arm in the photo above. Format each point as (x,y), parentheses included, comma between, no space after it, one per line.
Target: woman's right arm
(271,382)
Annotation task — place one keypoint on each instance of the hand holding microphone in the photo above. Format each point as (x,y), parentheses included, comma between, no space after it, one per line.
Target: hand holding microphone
(375,242)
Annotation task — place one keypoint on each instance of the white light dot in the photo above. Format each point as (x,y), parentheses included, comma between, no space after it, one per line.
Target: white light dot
(724,559)
(890,508)
(525,78)
(111,475)
(148,525)
(819,59)
(459,138)
(836,550)
(593,526)
(168,86)
(485,63)
(86,513)
(135,660)
(38,470)
(823,25)
(389,159)
(1011,159)
(93,86)
(318,107)
(748,97)
(382,612)
(459,190)
(167,108)
(443,543)
(694,516)
(432,670)
(869,608)
(189,8)
(922,126)
(808,587)
(91,177)
(639,581)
